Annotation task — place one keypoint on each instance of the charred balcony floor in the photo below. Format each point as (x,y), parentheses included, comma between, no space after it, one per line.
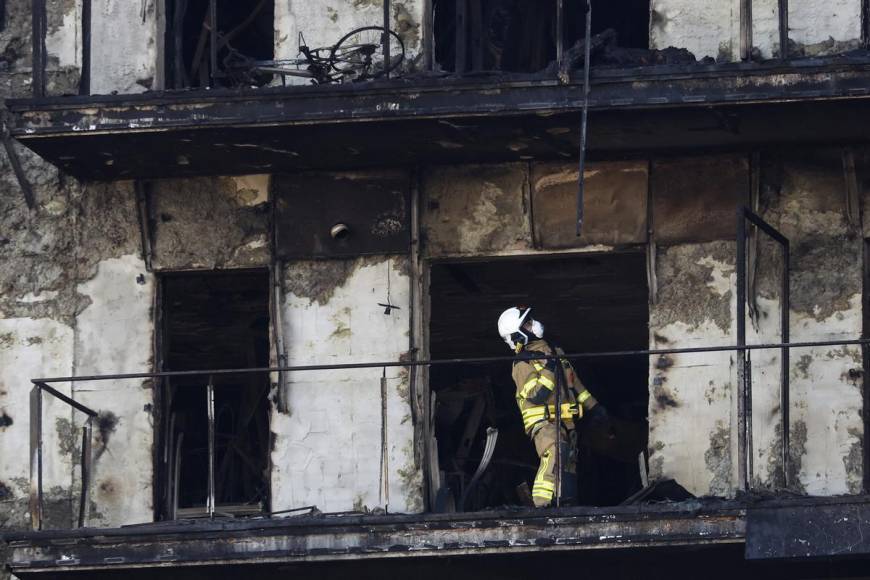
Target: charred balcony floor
(447,120)
(782,529)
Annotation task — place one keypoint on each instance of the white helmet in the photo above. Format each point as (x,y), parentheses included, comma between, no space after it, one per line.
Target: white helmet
(510,327)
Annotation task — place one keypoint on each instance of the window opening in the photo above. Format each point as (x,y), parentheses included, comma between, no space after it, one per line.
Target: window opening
(243,27)
(215,321)
(587,303)
(519,36)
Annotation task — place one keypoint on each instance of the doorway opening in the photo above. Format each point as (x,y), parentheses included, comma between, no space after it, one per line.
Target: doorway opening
(215,320)
(587,303)
(520,36)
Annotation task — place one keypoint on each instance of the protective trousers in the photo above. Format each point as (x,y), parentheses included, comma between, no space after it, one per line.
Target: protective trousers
(544,487)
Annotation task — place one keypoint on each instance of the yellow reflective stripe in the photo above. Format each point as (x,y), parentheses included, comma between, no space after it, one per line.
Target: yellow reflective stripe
(538,366)
(542,470)
(533,415)
(542,488)
(583,396)
(547,382)
(527,388)
(533,382)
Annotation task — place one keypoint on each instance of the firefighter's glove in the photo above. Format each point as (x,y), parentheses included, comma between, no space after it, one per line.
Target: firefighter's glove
(597,420)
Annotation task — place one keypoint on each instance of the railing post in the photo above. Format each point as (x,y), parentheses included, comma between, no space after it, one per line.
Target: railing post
(558,478)
(584,120)
(741,353)
(36,457)
(86,468)
(385,42)
(85,80)
(783,29)
(212,22)
(210,404)
(40,28)
(785,354)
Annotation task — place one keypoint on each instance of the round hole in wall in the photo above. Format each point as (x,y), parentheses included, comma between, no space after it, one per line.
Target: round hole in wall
(339,232)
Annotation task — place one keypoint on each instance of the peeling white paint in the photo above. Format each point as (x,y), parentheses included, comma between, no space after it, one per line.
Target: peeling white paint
(704,27)
(327,449)
(114,335)
(31,348)
(64,42)
(124,54)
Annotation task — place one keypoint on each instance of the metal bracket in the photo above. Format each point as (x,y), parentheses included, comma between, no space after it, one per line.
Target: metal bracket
(15,161)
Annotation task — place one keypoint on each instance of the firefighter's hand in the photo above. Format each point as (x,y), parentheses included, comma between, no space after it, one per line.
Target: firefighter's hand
(598,419)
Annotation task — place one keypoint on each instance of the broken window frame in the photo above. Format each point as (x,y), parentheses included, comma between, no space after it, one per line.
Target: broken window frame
(744,363)
(165,504)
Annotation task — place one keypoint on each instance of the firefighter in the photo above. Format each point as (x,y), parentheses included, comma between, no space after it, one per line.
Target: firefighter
(535,379)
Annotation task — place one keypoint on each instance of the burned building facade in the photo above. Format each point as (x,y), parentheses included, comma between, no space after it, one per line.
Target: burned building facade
(235,281)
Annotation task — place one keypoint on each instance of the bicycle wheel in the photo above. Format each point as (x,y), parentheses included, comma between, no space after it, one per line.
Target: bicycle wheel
(358,55)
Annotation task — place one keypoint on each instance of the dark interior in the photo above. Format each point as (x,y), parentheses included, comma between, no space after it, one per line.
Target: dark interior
(246,26)
(520,35)
(588,303)
(217,321)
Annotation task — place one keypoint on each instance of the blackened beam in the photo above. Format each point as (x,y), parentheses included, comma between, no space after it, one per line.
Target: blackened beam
(454,361)
(72,403)
(783,29)
(15,162)
(39,18)
(85,80)
(584,119)
(367,537)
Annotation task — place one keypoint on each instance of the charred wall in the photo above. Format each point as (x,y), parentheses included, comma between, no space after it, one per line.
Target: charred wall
(712,28)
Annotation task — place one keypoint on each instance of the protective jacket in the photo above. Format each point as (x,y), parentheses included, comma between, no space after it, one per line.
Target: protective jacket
(536,382)
(535,379)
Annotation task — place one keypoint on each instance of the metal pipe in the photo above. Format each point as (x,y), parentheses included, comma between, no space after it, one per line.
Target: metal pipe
(745,29)
(15,162)
(585,117)
(72,403)
(560,36)
(461,40)
(558,478)
(783,29)
(454,361)
(212,22)
(86,468)
(741,354)
(85,79)
(785,354)
(210,409)
(750,453)
(36,507)
(385,41)
(39,21)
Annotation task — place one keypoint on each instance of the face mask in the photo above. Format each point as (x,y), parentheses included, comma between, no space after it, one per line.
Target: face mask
(537,329)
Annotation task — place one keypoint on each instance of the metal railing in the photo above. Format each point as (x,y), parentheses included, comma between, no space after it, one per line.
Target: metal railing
(44,385)
(744,372)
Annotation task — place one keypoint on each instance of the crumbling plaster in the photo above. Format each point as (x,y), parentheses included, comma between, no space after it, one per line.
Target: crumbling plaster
(803,196)
(712,27)
(692,404)
(326,447)
(125,48)
(184,213)
(73,287)
(690,394)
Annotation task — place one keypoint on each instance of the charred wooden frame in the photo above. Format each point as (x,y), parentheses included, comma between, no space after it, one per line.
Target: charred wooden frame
(37,508)
(783,29)
(744,366)
(85,80)
(40,28)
